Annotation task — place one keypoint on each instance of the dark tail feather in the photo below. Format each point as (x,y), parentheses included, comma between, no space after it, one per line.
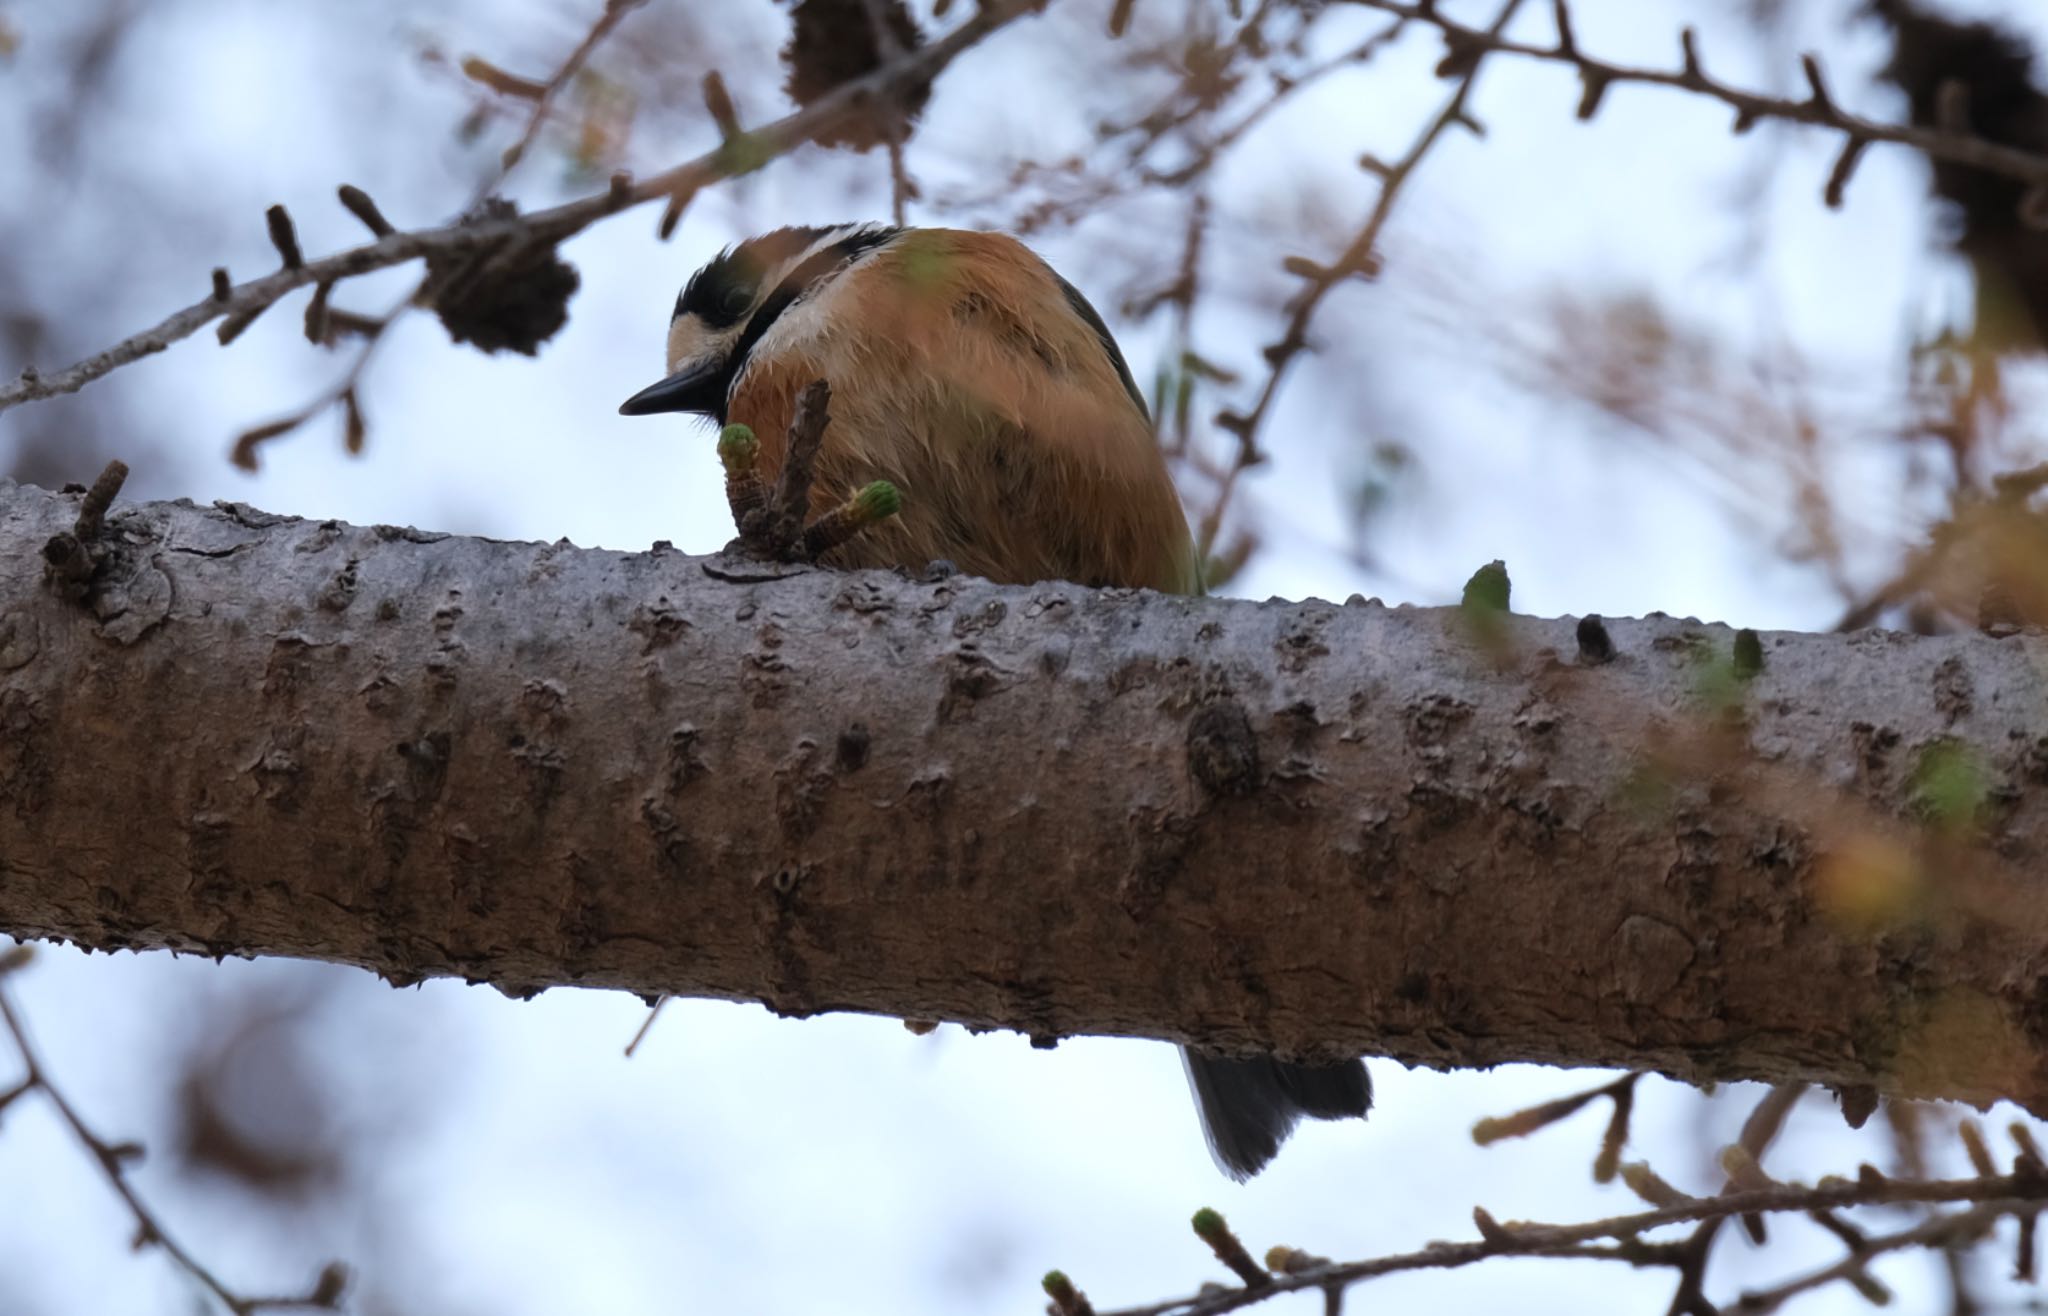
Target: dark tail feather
(1248,1107)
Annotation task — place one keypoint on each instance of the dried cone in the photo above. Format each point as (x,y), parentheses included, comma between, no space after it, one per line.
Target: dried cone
(498,303)
(833,42)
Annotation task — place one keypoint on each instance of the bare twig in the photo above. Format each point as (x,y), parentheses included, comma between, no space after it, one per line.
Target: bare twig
(113,1160)
(92,509)
(646,1025)
(776,524)
(71,558)
(544,100)
(1357,259)
(342,393)
(790,505)
(1939,1231)
(1817,109)
(1991,1197)
(540,227)
(1211,1228)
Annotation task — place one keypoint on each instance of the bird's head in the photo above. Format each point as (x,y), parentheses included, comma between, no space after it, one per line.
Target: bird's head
(728,305)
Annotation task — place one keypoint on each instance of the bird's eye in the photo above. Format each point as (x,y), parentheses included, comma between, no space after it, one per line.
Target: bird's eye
(736,301)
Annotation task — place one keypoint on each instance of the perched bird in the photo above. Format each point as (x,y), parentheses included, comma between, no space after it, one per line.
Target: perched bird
(989,392)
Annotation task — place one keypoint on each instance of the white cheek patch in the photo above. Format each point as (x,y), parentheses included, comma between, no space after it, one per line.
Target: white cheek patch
(801,326)
(688,340)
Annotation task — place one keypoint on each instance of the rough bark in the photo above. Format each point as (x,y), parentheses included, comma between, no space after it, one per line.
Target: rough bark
(1446,838)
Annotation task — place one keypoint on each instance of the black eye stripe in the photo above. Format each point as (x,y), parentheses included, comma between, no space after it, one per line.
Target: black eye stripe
(719,294)
(729,285)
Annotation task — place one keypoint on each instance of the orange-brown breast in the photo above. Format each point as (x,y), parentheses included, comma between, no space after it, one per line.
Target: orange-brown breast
(960,373)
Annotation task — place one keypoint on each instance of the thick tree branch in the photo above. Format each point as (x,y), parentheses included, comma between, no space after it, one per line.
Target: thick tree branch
(1322,830)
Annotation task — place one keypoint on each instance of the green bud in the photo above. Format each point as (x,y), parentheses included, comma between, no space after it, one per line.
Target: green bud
(878,501)
(1488,588)
(737,448)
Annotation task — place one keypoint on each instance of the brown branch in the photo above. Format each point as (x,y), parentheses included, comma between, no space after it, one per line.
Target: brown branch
(342,393)
(1993,1196)
(1357,259)
(1818,109)
(324,325)
(544,99)
(1791,816)
(790,505)
(72,558)
(549,226)
(1940,1231)
(1152,127)
(1211,1228)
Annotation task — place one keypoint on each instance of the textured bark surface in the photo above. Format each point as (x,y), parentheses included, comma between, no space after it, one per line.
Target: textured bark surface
(1324,830)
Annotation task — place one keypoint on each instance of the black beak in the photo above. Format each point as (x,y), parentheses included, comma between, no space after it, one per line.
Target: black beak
(697,387)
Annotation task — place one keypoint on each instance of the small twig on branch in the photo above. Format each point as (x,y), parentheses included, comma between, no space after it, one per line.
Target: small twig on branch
(1066,1299)
(357,202)
(1607,1162)
(889,49)
(791,503)
(1524,1122)
(72,558)
(775,524)
(646,1025)
(92,509)
(718,104)
(1212,1229)
(343,393)
(284,237)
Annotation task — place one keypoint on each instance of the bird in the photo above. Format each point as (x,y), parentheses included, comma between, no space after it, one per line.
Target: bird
(968,373)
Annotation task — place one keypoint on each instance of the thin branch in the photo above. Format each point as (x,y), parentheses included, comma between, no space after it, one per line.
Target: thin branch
(1357,259)
(543,226)
(1993,1196)
(543,103)
(1818,109)
(1940,1231)
(889,49)
(113,1159)
(343,393)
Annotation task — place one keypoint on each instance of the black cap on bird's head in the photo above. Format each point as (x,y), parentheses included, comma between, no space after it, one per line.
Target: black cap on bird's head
(728,305)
